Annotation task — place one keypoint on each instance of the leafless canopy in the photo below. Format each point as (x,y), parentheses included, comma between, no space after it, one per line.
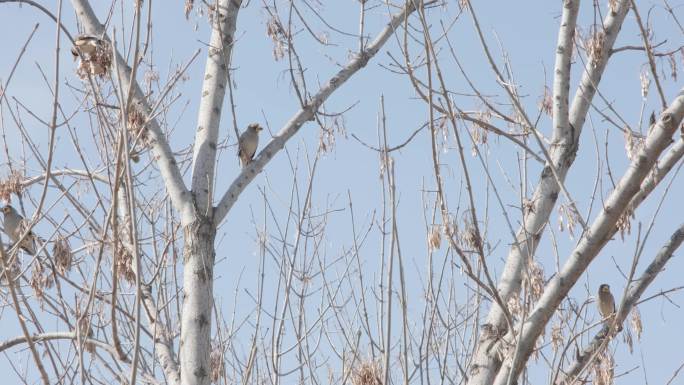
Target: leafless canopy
(460,188)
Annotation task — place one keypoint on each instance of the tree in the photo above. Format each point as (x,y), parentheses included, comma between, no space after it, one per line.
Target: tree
(123,284)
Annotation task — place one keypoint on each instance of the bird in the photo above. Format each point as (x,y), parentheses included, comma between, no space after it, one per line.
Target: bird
(248,143)
(15,225)
(86,45)
(606,304)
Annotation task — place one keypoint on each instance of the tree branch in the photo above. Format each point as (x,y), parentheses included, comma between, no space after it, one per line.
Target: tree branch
(563,150)
(43,337)
(213,93)
(168,167)
(162,342)
(634,292)
(598,235)
(305,114)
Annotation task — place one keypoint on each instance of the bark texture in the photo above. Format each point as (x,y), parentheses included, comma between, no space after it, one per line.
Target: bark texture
(198,301)
(199,252)
(563,150)
(634,293)
(166,161)
(592,242)
(211,102)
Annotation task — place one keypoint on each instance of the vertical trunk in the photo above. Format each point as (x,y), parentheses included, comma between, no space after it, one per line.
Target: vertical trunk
(198,299)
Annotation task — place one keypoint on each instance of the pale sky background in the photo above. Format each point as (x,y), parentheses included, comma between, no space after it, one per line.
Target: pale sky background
(527,31)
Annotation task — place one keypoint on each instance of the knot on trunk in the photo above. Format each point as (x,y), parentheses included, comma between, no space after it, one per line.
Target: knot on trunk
(199,242)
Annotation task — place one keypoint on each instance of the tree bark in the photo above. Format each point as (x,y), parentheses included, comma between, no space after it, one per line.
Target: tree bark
(593,241)
(198,301)
(168,167)
(211,102)
(634,293)
(307,113)
(485,363)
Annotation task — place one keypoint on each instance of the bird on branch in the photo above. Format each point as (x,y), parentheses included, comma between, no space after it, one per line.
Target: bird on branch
(248,143)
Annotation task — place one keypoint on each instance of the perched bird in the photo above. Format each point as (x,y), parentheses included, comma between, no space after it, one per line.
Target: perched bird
(606,304)
(248,143)
(15,225)
(86,45)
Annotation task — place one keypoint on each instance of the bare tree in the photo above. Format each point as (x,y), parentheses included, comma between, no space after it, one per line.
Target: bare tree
(111,275)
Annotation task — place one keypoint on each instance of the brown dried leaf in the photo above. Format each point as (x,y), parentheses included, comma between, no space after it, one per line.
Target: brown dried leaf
(535,282)
(367,373)
(275,31)
(635,323)
(61,251)
(11,185)
(86,331)
(124,262)
(595,45)
(633,144)
(556,337)
(645,82)
(187,8)
(673,66)
(14,265)
(603,369)
(545,104)
(624,224)
(41,279)
(435,238)
(218,366)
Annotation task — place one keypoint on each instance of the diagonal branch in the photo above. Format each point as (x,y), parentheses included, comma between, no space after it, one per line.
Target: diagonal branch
(162,342)
(7,274)
(484,365)
(662,168)
(563,150)
(51,336)
(634,293)
(595,238)
(168,167)
(306,113)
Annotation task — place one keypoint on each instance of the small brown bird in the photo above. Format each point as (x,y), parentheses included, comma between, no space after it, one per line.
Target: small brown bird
(248,143)
(606,304)
(15,225)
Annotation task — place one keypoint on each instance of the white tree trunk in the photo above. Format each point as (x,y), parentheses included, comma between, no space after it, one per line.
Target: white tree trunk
(198,216)
(198,300)
(198,252)
(211,103)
